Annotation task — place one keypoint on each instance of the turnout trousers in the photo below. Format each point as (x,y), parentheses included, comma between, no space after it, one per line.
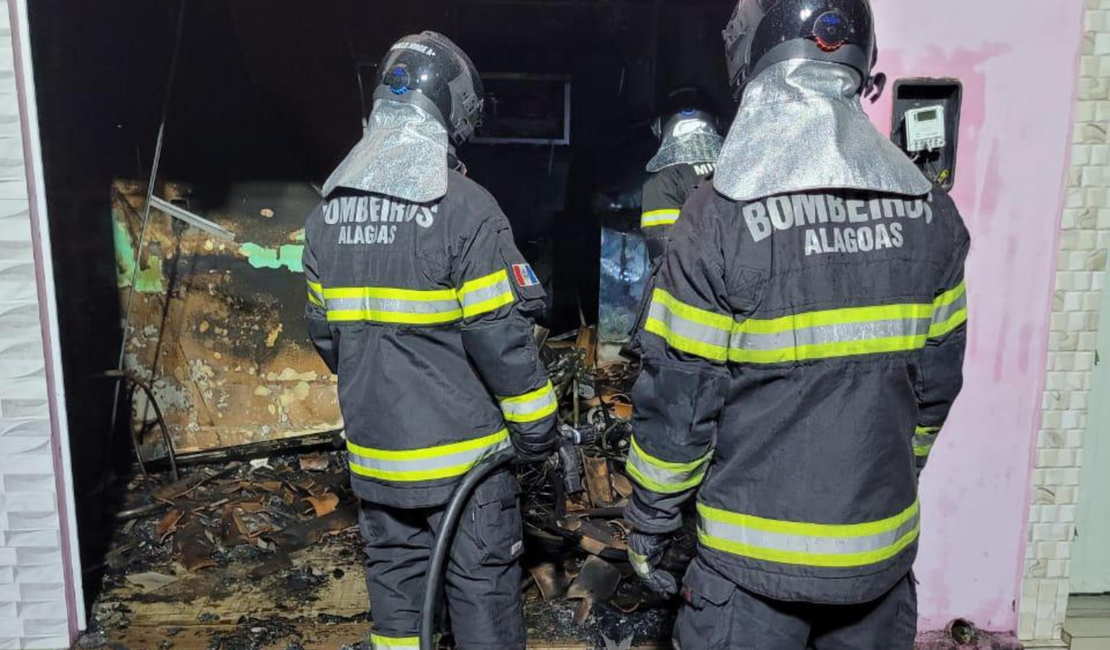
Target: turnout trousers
(482,585)
(719,615)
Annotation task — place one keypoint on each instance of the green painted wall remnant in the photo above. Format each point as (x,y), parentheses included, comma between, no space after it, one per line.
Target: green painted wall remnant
(148,280)
(261,257)
(125,253)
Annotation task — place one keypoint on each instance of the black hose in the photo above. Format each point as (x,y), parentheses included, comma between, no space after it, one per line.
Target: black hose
(152,400)
(438,565)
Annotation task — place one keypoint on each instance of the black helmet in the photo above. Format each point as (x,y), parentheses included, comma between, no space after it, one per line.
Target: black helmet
(686,101)
(764,32)
(430,71)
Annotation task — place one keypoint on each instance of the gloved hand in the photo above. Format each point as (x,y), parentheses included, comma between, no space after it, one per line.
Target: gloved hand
(645,550)
(534,447)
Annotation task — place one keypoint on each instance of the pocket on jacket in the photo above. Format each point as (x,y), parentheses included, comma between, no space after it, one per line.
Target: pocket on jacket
(351,342)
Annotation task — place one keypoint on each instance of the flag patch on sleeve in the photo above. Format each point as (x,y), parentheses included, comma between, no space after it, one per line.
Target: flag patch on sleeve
(525,276)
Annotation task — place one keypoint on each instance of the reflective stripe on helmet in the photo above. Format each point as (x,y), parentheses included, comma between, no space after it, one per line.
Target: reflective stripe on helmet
(427,464)
(808,544)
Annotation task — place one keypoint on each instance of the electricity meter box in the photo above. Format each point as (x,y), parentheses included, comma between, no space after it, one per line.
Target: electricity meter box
(926,125)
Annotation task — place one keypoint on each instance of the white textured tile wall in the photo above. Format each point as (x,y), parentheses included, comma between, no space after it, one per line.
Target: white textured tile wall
(32,581)
(1084,242)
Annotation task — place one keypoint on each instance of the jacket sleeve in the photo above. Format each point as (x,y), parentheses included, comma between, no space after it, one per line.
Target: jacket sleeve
(942,359)
(662,200)
(316,311)
(663,196)
(498,291)
(683,346)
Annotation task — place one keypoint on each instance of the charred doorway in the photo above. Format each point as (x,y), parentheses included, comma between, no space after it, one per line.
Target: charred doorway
(265,99)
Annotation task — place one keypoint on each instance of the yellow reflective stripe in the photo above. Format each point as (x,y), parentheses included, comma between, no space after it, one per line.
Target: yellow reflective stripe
(489,305)
(663,488)
(689,312)
(950,296)
(391,305)
(389,293)
(428,464)
(667,465)
(808,544)
(835,317)
(483,282)
(315,293)
(663,476)
(379,642)
(923,440)
(949,311)
(429,452)
(665,217)
(531,406)
(810,530)
(829,560)
(678,323)
(683,344)
(957,318)
(399,476)
(497,280)
(828,350)
(406,318)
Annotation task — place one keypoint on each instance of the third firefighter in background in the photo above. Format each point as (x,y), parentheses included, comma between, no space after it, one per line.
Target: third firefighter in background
(688,147)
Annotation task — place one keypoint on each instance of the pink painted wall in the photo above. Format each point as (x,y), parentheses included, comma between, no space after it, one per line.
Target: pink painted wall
(1018,62)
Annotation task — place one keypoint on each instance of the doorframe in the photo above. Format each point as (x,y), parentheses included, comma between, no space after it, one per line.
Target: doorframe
(48,313)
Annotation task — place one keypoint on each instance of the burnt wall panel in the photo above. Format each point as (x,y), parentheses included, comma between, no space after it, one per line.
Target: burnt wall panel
(218,326)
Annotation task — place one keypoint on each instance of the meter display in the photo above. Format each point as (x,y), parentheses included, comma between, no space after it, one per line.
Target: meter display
(925,129)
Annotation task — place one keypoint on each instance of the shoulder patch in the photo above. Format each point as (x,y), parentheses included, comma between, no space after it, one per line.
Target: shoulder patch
(524,275)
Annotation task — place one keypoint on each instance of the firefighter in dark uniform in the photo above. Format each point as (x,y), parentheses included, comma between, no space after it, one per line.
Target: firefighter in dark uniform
(421,304)
(802,347)
(688,146)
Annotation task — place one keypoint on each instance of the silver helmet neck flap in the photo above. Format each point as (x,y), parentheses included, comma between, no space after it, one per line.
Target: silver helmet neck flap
(801,66)
(429,97)
(688,137)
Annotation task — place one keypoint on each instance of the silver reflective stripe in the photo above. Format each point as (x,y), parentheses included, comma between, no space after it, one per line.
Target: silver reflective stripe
(807,544)
(687,328)
(477,296)
(393,305)
(664,477)
(843,332)
(418,466)
(923,440)
(639,563)
(923,443)
(316,293)
(531,406)
(943,312)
